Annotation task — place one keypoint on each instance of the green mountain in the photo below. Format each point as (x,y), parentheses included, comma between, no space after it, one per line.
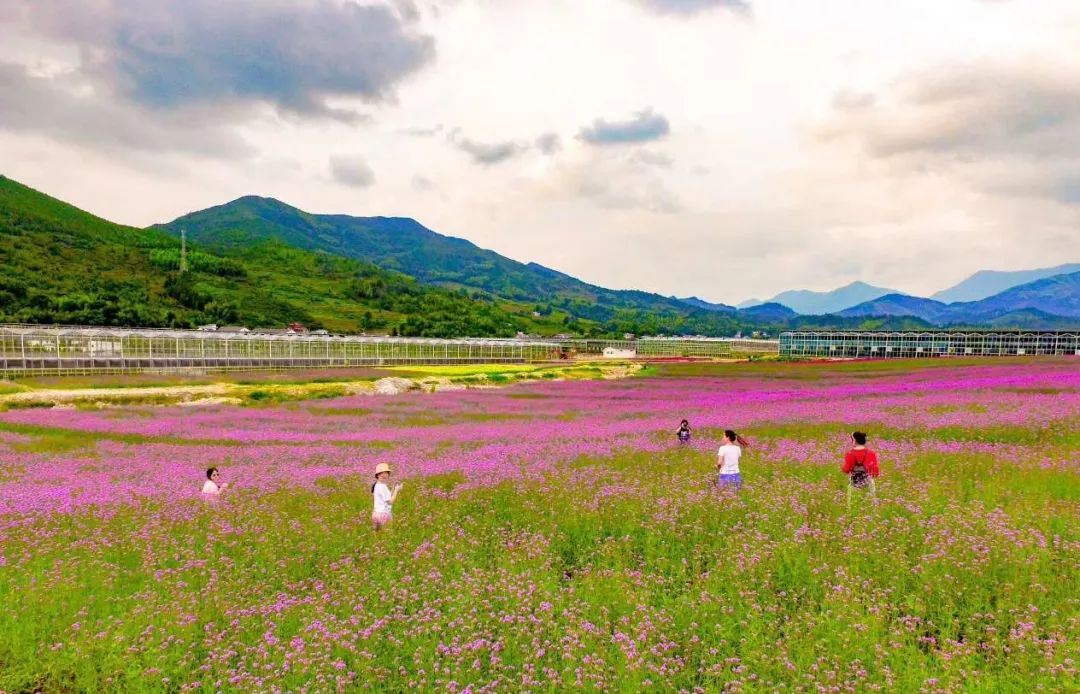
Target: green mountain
(1050,303)
(987,283)
(59,264)
(404,244)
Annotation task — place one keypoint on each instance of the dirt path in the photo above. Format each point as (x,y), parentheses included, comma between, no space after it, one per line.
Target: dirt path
(69,395)
(234,393)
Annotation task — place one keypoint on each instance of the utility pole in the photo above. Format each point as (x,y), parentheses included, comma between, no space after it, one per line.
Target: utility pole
(183,251)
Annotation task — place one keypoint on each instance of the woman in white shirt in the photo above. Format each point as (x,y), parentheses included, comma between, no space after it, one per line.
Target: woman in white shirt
(211,486)
(727,460)
(382,513)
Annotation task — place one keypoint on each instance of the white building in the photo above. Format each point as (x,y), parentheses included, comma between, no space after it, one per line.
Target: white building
(615,353)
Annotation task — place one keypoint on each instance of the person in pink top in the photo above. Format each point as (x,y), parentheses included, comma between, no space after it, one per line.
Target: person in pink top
(211,486)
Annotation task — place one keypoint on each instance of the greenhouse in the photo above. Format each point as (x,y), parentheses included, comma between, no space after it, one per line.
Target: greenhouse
(945,343)
(39,349)
(704,347)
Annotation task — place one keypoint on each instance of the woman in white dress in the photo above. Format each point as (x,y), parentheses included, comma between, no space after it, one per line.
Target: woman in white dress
(383,497)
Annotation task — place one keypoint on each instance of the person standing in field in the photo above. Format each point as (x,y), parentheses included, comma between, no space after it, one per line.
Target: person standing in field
(683,432)
(211,486)
(727,460)
(384,499)
(861,467)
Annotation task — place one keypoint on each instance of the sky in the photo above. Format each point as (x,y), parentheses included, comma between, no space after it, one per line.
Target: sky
(724,149)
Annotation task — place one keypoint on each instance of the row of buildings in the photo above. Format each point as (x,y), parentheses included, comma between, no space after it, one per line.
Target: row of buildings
(292,329)
(873,344)
(58,349)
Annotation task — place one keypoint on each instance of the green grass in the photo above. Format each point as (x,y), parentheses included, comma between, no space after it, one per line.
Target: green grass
(271,396)
(624,569)
(466,369)
(733,574)
(286,377)
(812,370)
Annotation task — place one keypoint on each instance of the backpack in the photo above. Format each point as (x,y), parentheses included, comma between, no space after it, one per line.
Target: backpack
(859,474)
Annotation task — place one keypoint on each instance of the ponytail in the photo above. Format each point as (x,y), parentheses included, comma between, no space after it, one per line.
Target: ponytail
(736,438)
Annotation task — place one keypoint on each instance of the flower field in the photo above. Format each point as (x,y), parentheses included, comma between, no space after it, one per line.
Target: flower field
(554,536)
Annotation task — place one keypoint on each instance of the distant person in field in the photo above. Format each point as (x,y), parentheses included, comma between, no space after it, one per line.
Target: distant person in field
(727,460)
(383,497)
(211,486)
(861,467)
(683,432)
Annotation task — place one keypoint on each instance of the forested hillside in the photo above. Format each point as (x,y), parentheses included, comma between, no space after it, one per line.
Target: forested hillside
(59,264)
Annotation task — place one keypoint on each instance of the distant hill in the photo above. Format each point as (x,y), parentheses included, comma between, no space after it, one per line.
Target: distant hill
(1030,319)
(771,312)
(1052,302)
(749,303)
(398,243)
(1058,295)
(987,283)
(899,305)
(816,303)
(59,264)
(405,245)
(259,262)
(706,305)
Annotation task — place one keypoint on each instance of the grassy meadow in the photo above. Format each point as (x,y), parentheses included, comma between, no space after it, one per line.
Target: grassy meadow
(555,535)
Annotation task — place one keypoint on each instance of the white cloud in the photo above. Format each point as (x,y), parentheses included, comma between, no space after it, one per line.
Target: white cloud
(352,171)
(815,144)
(645,126)
(293,55)
(694,7)
(69,109)
(549,143)
(422,183)
(617,181)
(487,153)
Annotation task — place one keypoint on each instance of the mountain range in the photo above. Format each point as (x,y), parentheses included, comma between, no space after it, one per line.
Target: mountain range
(59,264)
(987,283)
(809,302)
(259,261)
(1047,302)
(981,285)
(405,245)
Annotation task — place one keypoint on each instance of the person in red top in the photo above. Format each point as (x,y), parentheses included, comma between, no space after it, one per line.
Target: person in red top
(861,466)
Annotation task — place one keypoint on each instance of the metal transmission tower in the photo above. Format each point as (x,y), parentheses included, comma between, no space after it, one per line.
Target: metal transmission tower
(183,251)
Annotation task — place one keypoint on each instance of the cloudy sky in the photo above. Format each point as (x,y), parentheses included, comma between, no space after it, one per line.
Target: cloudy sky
(718,148)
